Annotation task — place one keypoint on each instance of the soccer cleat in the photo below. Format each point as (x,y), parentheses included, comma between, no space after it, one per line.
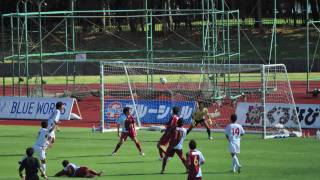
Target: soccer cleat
(113,154)
(162,172)
(100,173)
(142,153)
(239,169)
(210,138)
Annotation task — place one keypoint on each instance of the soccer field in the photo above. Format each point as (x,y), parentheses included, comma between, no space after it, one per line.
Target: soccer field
(291,158)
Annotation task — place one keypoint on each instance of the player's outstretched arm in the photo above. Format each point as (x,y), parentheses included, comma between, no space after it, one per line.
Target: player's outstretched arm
(60,173)
(20,171)
(227,137)
(187,160)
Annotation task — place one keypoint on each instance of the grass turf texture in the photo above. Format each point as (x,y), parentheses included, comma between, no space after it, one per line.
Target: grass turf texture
(291,158)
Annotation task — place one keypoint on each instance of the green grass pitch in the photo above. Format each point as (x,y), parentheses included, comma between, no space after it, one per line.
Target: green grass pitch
(291,158)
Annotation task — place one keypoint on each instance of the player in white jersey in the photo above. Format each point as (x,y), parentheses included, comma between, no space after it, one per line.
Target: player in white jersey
(177,136)
(72,170)
(53,122)
(41,144)
(233,134)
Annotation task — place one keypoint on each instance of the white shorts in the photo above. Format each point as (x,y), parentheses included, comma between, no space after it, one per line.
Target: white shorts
(52,135)
(40,151)
(234,147)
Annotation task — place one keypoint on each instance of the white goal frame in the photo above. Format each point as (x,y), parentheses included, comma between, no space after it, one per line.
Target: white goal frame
(263,69)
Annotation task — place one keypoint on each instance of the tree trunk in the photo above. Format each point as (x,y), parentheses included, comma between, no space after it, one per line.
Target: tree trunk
(294,12)
(314,9)
(258,15)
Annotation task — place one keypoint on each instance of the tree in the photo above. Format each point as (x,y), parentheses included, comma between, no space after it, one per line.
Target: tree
(314,9)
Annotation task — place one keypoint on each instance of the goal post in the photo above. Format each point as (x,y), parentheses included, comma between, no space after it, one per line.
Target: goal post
(260,95)
(280,116)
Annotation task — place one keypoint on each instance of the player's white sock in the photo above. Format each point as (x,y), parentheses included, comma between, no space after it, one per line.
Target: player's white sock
(44,167)
(236,160)
(234,165)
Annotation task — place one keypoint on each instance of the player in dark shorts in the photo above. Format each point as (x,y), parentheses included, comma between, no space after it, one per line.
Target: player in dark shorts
(194,161)
(171,124)
(201,116)
(128,130)
(72,170)
(175,144)
(31,166)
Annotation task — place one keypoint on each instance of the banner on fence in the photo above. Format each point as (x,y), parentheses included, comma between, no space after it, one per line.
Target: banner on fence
(33,108)
(149,111)
(249,114)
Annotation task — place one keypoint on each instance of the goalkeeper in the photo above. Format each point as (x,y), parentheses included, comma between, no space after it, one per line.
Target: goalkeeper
(201,116)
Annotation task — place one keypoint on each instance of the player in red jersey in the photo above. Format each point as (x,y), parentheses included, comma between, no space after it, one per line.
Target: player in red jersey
(171,124)
(128,130)
(194,161)
(175,144)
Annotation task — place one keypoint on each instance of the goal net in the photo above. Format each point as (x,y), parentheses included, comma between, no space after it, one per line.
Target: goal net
(260,95)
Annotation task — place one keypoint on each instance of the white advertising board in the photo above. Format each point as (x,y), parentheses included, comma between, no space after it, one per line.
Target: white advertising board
(249,114)
(33,108)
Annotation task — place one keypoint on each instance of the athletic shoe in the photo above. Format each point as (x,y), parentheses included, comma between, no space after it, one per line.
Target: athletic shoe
(142,153)
(113,154)
(210,138)
(239,169)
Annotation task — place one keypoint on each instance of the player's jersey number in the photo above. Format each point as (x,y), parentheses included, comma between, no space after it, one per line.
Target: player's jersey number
(235,131)
(195,161)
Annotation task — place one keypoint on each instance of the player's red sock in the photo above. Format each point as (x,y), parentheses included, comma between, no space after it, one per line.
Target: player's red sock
(93,172)
(117,147)
(183,160)
(138,146)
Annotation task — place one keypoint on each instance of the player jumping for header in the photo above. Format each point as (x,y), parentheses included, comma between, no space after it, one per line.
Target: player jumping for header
(54,121)
(128,129)
(171,124)
(194,161)
(201,116)
(175,144)
(233,133)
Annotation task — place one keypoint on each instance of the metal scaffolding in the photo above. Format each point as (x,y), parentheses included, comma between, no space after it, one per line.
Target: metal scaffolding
(218,46)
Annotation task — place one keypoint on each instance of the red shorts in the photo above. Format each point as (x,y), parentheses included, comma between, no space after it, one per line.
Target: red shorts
(125,135)
(81,172)
(164,140)
(171,152)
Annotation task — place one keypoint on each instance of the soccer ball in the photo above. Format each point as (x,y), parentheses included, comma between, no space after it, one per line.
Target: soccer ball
(163,80)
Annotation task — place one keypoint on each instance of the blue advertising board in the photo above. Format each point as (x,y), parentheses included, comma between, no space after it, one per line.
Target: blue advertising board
(149,111)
